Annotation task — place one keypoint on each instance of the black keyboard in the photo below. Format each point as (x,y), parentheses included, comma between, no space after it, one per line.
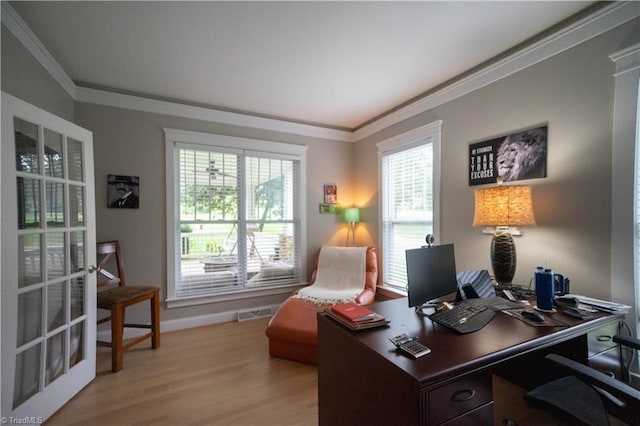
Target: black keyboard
(465,317)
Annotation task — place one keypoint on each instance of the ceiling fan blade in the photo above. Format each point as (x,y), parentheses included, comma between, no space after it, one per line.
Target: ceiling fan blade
(215,171)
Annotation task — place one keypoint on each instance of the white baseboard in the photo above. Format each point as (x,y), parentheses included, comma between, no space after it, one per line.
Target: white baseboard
(183,323)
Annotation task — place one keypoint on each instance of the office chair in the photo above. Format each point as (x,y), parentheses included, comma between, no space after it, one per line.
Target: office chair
(117,297)
(588,395)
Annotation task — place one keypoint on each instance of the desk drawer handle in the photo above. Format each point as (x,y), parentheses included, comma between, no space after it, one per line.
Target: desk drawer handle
(463,395)
(603,338)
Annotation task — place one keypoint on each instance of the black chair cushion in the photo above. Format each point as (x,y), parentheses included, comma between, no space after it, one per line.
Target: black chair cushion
(572,397)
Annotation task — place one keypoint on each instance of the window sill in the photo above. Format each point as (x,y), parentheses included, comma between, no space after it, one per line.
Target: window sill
(247,293)
(390,292)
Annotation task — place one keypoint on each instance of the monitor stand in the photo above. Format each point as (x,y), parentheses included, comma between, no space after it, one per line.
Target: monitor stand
(435,305)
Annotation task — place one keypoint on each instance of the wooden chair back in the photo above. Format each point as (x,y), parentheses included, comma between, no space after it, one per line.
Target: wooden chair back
(110,266)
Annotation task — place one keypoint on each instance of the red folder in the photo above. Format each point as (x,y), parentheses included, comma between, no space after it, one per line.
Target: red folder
(354,312)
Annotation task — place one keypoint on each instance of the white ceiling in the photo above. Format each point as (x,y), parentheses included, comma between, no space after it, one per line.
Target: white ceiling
(333,64)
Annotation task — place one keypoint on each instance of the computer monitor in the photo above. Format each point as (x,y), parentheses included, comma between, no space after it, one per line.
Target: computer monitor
(431,273)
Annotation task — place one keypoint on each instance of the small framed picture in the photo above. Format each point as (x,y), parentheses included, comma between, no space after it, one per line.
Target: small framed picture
(123,192)
(330,208)
(331,193)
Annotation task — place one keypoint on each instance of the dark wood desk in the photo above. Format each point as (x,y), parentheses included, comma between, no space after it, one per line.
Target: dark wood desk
(362,379)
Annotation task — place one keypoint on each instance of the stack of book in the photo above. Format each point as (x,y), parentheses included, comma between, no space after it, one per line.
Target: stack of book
(356,317)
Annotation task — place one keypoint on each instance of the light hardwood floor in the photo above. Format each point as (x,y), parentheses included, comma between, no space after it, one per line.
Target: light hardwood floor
(221,375)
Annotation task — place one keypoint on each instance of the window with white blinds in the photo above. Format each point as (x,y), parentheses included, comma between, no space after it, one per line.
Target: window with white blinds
(236,215)
(409,196)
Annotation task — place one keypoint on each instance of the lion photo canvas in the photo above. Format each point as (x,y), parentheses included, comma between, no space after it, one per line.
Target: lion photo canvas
(517,156)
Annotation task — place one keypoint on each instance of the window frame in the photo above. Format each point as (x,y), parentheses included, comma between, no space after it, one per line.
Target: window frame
(206,141)
(625,184)
(429,133)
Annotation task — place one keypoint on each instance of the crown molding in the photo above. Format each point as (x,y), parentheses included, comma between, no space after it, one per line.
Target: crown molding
(138,103)
(627,59)
(591,26)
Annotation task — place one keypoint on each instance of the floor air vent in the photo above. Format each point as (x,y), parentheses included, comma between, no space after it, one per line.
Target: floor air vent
(249,314)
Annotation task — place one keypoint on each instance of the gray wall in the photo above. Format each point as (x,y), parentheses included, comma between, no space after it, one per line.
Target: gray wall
(24,78)
(132,143)
(574,93)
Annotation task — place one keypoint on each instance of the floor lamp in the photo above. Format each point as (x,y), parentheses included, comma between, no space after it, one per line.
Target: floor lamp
(503,207)
(352,216)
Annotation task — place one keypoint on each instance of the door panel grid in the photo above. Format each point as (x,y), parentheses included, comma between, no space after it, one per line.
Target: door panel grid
(48,235)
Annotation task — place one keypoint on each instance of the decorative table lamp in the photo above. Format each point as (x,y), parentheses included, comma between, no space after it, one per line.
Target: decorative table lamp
(352,216)
(503,207)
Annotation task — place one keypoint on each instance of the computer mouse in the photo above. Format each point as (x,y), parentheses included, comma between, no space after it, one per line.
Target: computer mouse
(533,316)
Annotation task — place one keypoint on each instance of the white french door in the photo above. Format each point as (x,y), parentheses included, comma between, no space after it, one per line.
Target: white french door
(48,239)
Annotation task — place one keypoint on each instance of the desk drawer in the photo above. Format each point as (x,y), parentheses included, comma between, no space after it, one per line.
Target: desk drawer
(459,397)
(604,353)
(601,339)
(482,415)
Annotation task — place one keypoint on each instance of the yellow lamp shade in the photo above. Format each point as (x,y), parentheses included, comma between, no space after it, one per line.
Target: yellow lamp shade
(503,206)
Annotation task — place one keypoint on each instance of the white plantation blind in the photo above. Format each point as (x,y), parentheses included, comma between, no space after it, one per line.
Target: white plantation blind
(237,215)
(208,217)
(408,207)
(408,170)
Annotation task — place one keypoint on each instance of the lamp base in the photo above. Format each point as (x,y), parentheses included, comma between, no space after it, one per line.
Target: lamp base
(351,231)
(503,258)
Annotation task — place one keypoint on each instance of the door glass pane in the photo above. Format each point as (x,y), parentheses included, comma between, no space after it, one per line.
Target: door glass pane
(29,316)
(27,373)
(56,256)
(74,154)
(77,251)
(76,205)
(77,297)
(55,358)
(54,195)
(55,305)
(26,135)
(53,165)
(28,191)
(76,352)
(29,260)
(48,173)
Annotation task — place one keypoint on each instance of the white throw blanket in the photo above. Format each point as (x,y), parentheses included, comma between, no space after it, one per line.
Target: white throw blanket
(340,276)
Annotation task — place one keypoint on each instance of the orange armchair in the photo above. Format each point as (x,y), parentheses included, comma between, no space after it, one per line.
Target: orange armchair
(293,329)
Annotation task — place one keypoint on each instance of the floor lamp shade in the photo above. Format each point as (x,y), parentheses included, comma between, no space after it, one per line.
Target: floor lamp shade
(502,207)
(351,215)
